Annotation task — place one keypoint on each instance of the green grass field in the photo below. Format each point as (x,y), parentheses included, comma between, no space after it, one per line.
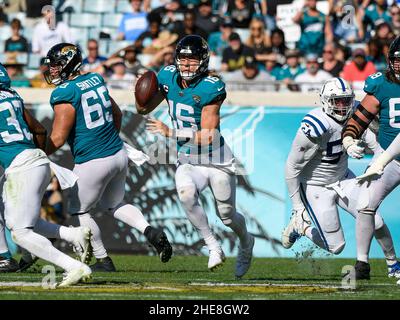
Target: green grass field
(142,277)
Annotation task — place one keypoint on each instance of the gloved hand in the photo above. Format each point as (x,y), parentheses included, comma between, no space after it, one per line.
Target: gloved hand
(353,147)
(375,170)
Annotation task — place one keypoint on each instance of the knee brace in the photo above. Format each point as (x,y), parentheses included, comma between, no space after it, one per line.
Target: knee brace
(338,248)
(188,196)
(226,211)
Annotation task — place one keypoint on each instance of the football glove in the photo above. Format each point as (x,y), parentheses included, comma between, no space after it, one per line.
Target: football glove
(353,147)
(375,170)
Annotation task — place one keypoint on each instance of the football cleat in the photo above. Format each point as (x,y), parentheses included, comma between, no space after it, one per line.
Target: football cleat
(243,259)
(103,265)
(27,260)
(81,244)
(362,270)
(159,241)
(298,223)
(81,274)
(394,270)
(8,265)
(216,259)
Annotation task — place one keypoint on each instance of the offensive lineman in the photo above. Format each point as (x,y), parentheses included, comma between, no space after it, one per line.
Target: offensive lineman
(319,180)
(204,159)
(382,97)
(87,116)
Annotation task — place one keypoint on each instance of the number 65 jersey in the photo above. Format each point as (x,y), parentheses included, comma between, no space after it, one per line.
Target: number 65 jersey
(330,161)
(93,135)
(185,108)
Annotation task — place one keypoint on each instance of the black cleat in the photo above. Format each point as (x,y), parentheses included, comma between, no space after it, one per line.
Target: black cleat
(362,270)
(8,265)
(25,264)
(103,265)
(159,240)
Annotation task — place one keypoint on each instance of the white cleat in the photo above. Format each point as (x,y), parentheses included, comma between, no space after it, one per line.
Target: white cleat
(298,223)
(394,270)
(82,245)
(243,259)
(216,259)
(81,274)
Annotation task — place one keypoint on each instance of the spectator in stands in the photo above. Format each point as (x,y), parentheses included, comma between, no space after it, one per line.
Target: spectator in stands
(372,14)
(395,14)
(133,23)
(38,80)
(165,38)
(188,26)
(258,39)
(218,41)
(384,33)
(268,10)
(271,65)
(48,33)
(241,12)
(129,56)
(163,58)
(52,203)
(16,42)
(93,60)
(15,71)
(15,6)
(146,39)
(120,79)
(315,28)
(233,57)
(330,63)
(313,77)
(376,55)
(278,45)
(250,76)
(344,30)
(358,69)
(206,19)
(34,12)
(170,14)
(291,69)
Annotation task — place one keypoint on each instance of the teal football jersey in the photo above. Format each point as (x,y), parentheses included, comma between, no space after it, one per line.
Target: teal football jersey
(186,104)
(388,94)
(14,132)
(94,134)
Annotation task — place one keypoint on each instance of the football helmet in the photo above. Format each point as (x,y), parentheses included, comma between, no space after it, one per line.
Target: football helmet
(393,55)
(62,60)
(192,46)
(5,82)
(337,99)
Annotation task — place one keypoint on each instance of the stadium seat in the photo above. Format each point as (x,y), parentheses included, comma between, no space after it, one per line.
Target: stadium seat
(243,33)
(34,61)
(71,6)
(5,32)
(145,59)
(103,47)
(114,46)
(112,20)
(21,16)
(215,63)
(79,34)
(87,20)
(95,32)
(100,6)
(123,6)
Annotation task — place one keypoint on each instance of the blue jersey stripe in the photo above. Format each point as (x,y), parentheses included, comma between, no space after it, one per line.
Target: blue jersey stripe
(312,125)
(318,121)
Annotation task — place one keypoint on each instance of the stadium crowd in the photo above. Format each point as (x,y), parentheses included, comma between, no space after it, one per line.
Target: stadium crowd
(123,38)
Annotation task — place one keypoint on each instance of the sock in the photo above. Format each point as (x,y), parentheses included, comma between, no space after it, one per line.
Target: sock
(238,224)
(132,216)
(3,240)
(313,234)
(42,248)
(6,255)
(86,220)
(365,225)
(385,240)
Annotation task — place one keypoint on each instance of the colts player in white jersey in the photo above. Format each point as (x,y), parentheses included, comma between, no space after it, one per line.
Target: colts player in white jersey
(319,180)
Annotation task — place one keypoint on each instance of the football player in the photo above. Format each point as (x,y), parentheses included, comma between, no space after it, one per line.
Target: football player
(319,180)
(22,139)
(204,159)
(88,118)
(382,98)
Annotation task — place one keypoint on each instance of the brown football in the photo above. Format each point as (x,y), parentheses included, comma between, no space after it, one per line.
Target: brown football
(146,87)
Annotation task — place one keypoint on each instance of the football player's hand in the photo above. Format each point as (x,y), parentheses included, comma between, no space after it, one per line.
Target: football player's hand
(156,126)
(375,170)
(353,147)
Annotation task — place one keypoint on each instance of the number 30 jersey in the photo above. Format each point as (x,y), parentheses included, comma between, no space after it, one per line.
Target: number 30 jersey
(185,107)
(330,162)
(388,95)
(94,134)
(14,133)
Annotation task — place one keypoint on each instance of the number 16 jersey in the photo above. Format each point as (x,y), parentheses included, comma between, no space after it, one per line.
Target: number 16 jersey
(94,134)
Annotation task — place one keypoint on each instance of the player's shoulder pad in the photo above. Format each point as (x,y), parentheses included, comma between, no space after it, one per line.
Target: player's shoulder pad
(166,74)
(315,123)
(98,75)
(63,93)
(214,88)
(373,82)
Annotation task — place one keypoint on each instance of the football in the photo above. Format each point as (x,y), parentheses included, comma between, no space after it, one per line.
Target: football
(146,87)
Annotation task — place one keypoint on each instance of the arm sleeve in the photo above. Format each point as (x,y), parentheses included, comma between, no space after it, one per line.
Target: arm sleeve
(303,150)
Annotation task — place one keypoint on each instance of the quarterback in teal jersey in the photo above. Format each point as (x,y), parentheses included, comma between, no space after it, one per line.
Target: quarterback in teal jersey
(22,139)
(195,98)
(88,118)
(383,99)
